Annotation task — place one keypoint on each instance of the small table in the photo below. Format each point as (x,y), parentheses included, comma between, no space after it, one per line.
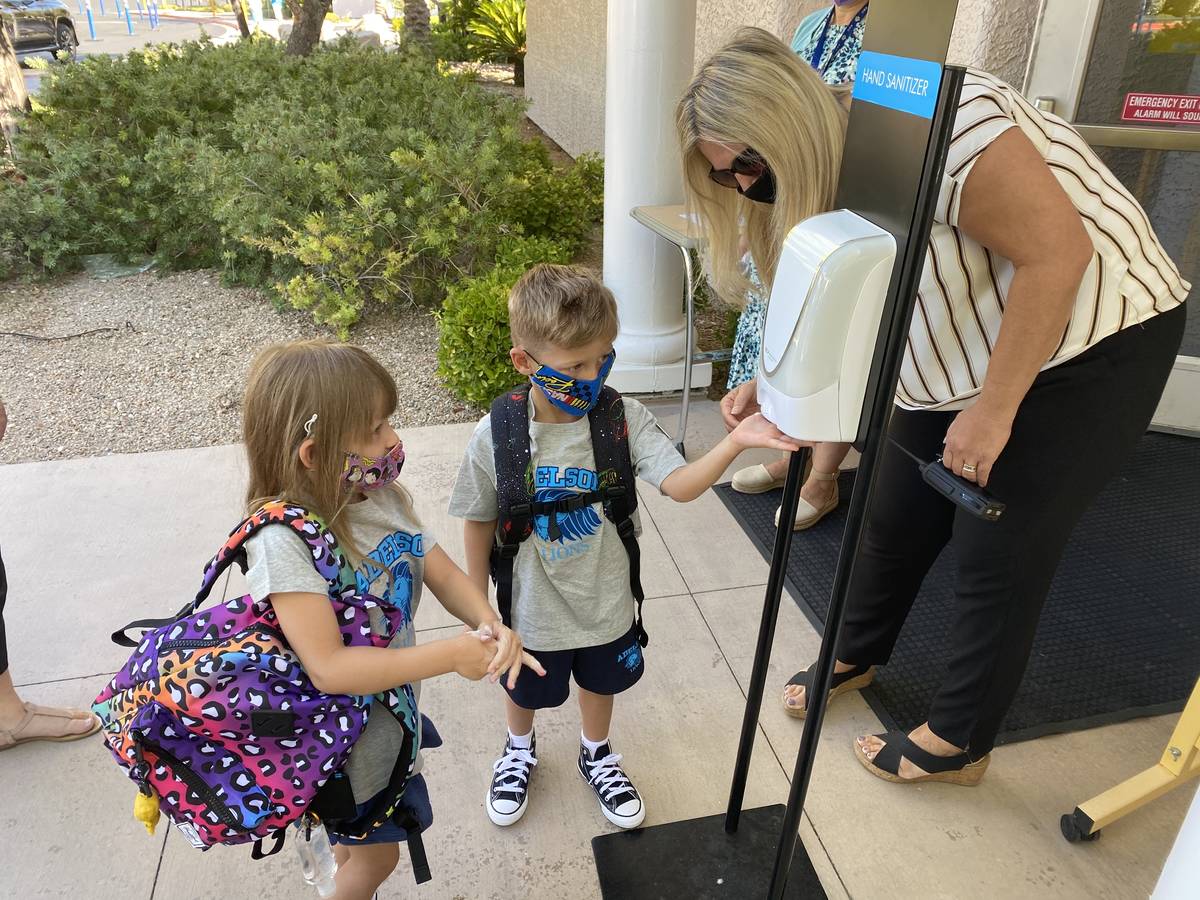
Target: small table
(674,224)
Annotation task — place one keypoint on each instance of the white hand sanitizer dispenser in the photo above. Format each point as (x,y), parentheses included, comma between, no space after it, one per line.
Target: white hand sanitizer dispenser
(822,320)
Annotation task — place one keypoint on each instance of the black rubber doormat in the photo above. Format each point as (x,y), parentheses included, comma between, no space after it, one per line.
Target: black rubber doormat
(1119,636)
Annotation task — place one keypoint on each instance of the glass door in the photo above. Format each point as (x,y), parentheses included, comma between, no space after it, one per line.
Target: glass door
(1126,74)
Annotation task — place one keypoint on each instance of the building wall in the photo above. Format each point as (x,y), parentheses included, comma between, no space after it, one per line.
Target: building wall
(716,20)
(564,71)
(564,68)
(995,36)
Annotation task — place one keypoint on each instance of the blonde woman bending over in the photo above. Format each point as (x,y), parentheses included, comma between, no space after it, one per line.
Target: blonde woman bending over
(829,40)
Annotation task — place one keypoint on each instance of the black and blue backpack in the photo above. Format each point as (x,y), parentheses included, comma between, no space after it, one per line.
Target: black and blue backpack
(616,490)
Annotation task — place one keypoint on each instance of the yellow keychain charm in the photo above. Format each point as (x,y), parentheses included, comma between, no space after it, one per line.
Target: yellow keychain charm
(145,810)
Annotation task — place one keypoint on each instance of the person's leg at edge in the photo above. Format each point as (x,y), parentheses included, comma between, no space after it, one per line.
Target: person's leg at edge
(1079,425)
(601,672)
(519,719)
(595,715)
(513,769)
(826,460)
(362,868)
(30,724)
(907,527)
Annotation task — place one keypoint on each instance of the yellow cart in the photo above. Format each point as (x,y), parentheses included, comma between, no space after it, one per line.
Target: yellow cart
(1179,763)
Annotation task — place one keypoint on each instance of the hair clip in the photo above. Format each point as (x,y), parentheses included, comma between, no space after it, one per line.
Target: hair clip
(309,424)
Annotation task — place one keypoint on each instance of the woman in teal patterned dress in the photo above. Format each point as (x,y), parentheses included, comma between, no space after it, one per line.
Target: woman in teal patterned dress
(831,41)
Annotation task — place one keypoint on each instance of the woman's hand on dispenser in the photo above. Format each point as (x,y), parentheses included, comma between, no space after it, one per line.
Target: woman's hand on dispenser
(740,403)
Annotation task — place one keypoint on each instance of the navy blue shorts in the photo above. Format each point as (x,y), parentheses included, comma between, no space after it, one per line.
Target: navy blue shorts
(607,669)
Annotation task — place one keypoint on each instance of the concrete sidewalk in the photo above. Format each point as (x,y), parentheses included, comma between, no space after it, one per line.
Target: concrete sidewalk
(90,544)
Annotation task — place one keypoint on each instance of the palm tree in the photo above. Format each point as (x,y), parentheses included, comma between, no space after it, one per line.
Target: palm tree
(498,32)
(240,12)
(13,99)
(306,26)
(416,22)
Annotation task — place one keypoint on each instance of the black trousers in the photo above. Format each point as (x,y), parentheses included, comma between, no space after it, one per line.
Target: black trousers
(1075,428)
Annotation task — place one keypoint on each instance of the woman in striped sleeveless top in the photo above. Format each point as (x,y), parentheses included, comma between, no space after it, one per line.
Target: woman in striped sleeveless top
(1047,322)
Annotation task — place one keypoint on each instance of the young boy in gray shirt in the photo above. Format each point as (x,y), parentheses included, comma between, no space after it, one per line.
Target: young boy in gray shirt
(572,602)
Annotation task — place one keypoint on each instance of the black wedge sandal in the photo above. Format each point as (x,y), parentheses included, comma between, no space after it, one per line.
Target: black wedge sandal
(957,769)
(843,682)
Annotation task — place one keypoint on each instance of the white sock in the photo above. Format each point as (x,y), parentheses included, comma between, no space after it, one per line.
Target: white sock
(521,741)
(592,746)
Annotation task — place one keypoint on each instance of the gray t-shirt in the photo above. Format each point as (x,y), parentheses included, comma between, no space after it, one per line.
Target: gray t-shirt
(573,592)
(383,527)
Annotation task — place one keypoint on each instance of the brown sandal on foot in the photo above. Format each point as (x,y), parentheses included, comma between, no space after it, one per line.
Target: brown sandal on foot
(957,769)
(843,682)
(12,737)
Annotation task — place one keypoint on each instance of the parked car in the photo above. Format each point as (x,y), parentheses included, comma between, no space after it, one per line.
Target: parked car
(39,26)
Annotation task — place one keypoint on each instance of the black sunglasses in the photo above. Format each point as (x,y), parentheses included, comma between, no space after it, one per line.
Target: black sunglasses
(748,163)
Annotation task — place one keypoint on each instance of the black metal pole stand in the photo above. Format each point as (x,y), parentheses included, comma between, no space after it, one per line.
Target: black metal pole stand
(766,634)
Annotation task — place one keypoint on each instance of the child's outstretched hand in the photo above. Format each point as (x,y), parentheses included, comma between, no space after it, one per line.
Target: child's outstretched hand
(757,431)
(510,653)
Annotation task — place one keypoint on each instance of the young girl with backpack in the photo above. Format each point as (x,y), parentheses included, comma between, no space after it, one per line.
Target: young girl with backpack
(317,435)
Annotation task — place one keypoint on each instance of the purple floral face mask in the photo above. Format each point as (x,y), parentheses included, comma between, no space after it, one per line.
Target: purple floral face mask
(367,473)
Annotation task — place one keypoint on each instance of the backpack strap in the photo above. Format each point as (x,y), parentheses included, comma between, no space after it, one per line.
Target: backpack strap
(614,465)
(327,558)
(277,838)
(514,489)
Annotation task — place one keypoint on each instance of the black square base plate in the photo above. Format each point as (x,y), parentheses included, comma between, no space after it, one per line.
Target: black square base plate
(696,860)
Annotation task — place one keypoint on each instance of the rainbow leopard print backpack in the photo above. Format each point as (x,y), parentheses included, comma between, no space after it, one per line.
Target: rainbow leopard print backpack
(216,722)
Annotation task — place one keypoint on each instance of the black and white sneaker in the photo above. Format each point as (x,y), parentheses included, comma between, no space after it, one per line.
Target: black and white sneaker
(619,799)
(509,794)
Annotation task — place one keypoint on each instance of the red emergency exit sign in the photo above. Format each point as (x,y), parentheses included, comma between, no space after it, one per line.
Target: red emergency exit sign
(1162,109)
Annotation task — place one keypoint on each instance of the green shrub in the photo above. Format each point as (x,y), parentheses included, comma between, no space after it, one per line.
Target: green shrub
(452,32)
(524,252)
(473,340)
(95,147)
(561,206)
(339,180)
(348,178)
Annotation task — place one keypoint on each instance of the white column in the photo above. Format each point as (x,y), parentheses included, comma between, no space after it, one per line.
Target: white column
(649,63)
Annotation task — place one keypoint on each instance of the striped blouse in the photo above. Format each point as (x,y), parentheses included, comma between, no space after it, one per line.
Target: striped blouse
(964,286)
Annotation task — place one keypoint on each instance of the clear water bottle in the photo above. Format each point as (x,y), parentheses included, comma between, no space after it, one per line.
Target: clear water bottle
(317,862)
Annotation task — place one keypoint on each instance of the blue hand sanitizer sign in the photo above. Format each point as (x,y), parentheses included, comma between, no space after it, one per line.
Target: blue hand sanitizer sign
(898,82)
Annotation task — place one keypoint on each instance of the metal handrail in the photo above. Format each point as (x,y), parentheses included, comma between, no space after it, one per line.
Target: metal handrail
(1139,138)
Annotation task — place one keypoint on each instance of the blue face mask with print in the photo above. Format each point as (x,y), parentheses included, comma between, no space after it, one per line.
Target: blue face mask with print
(572,395)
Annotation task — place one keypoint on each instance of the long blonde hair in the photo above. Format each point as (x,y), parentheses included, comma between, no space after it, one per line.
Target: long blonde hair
(756,91)
(346,389)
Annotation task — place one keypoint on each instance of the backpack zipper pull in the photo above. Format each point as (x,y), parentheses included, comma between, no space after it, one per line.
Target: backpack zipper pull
(141,769)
